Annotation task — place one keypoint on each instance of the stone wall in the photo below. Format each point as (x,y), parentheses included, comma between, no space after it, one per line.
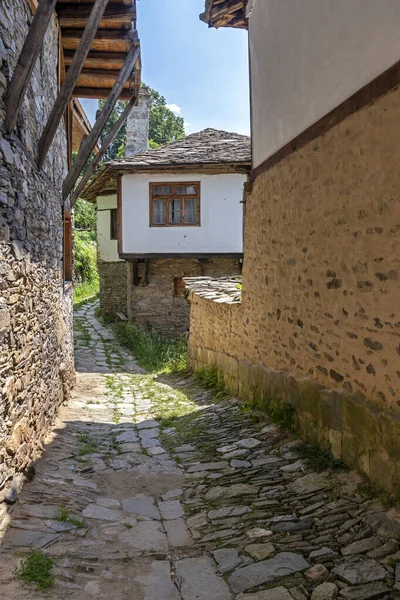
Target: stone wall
(321,292)
(113,287)
(36,346)
(156,303)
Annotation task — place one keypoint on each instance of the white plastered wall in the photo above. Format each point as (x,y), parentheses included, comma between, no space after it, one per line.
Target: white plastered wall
(221,214)
(107,248)
(308,56)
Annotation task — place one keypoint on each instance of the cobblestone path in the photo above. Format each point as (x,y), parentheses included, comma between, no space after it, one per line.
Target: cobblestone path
(151,489)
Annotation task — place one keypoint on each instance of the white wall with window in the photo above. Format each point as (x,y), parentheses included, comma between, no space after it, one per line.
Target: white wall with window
(182,213)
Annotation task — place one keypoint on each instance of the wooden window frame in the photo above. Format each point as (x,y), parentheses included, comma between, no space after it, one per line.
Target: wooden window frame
(113,226)
(174,196)
(67,257)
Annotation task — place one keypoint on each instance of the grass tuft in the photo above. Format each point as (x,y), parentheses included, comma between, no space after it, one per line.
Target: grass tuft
(63,516)
(317,458)
(35,569)
(156,352)
(208,377)
(85,292)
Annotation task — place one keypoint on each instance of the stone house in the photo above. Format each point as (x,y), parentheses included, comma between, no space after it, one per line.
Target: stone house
(41,123)
(166,214)
(318,325)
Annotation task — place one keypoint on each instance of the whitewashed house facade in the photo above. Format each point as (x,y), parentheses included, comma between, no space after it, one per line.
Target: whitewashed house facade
(166,214)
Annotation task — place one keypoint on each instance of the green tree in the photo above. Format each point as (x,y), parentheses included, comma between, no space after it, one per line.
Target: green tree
(164,126)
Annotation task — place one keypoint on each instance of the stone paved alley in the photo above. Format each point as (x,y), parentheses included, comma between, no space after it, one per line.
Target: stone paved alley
(150,489)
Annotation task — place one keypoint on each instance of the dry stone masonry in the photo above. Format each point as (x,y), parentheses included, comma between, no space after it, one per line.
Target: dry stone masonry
(36,349)
(169,494)
(318,325)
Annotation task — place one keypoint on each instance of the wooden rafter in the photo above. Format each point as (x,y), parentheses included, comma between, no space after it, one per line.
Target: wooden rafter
(106,144)
(91,140)
(26,61)
(114,16)
(70,79)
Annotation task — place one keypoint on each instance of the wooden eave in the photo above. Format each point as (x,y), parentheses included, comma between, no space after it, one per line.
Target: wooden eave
(114,38)
(104,182)
(225,13)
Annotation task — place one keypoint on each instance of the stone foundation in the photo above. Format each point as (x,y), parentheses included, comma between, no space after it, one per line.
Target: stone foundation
(113,287)
(318,325)
(156,303)
(36,345)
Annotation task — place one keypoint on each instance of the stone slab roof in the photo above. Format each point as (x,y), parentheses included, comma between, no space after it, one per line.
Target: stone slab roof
(224,290)
(210,148)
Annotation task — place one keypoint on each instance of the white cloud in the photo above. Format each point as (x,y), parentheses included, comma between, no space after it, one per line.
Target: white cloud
(175,108)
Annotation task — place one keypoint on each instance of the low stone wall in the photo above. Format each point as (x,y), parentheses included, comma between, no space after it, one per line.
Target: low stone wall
(36,342)
(156,303)
(113,287)
(320,292)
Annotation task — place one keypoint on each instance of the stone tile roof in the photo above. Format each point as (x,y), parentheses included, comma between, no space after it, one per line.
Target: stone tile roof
(225,290)
(210,147)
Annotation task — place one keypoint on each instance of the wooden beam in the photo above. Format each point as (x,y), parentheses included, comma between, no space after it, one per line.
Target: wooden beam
(26,61)
(97,93)
(70,80)
(91,140)
(77,16)
(96,60)
(106,144)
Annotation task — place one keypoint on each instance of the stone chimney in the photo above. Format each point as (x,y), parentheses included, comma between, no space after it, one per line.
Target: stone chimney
(137,125)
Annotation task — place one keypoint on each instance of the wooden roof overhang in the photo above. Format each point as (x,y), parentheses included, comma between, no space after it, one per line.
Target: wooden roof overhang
(114,38)
(225,13)
(99,57)
(105,182)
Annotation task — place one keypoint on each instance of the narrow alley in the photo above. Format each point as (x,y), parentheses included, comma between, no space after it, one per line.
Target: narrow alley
(150,488)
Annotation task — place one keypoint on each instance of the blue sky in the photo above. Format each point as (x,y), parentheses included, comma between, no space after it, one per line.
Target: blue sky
(202,72)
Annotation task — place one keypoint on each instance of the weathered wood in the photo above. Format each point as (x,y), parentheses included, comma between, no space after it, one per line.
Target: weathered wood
(26,61)
(77,16)
(99,93)
(106,144)
(91,140)
(70,80)
(94,60)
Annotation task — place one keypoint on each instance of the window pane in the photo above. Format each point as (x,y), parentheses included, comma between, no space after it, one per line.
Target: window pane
(190,211)
(186,189)
(175,211)
(159,212)
(160,190)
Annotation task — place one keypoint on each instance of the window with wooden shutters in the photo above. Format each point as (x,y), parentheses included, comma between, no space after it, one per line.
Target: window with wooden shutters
(175,204)
(114,224)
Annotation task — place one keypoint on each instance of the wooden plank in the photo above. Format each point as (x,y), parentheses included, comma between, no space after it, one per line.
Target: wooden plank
(102,60)
(119,208)
(101,78)
(100,93)
(106,144)
(121,44)
(90,142)
(70,80)
(114,16)
(26,61)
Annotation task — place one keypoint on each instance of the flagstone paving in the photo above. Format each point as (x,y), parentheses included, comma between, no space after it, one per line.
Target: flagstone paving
(151,489)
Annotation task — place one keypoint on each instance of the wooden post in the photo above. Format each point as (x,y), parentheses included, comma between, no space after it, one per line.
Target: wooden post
(70,79)
(87,147)
(26,61)
(107,142)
